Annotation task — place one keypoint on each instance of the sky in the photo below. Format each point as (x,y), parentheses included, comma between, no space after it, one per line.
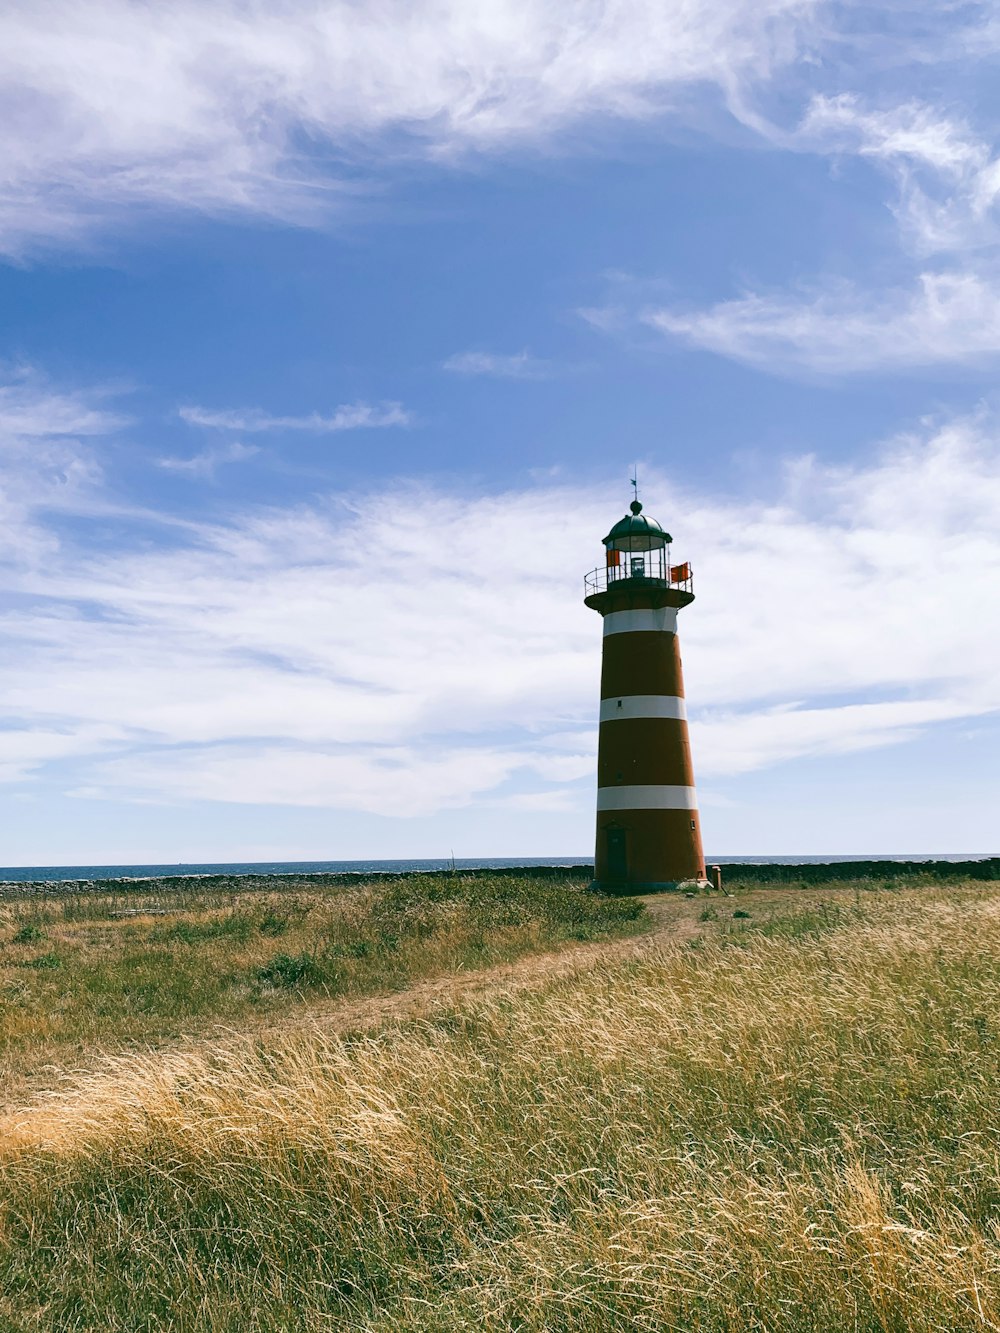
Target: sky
(330,334)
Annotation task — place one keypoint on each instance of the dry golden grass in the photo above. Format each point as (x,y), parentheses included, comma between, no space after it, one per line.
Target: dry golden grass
(792,1123)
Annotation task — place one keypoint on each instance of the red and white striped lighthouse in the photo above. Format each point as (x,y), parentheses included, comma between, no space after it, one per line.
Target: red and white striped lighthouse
(648,832)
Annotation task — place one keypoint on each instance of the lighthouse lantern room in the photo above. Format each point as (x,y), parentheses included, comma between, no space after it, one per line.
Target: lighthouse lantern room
(648,830)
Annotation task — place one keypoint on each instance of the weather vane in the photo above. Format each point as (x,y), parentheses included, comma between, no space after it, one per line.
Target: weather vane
(635,481)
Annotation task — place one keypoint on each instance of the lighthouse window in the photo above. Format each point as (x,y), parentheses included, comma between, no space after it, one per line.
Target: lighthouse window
(693,825)
(619,703)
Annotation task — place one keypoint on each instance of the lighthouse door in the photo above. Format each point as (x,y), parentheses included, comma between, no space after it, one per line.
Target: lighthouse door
(617,857)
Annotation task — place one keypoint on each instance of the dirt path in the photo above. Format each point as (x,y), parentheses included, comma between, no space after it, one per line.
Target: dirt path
(675,921)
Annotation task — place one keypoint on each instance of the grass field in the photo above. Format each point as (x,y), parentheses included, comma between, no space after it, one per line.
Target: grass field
(779,1111)
(79,971)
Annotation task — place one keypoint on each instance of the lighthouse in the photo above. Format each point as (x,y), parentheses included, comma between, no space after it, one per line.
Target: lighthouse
(648,831)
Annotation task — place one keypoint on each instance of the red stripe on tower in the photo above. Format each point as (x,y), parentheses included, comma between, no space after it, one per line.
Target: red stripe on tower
(648,831)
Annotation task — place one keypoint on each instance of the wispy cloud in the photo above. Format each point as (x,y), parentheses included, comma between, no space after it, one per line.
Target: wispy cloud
(947,176)
(271,658)
(946,201)
(516,366)
(23,750)
(350,416)
(732,742)
(949,318)
(409,781)
(47,463)
(31,407)
(112,107)
(205,464)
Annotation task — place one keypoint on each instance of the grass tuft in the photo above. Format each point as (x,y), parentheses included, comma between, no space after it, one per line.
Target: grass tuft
(44,962)
(29,934)
(300,970)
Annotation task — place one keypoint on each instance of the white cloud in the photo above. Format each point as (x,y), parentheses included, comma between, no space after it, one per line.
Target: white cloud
(205,464)
(23,751)
(45,463)
(430,651)
(865,582)
(947,181)
(947,177)
(516,366)
(404,781)
(350,416)
(31,408)
(728,743)
(559,800)
(911,130)
(395,780)
(946,318)
(213,106)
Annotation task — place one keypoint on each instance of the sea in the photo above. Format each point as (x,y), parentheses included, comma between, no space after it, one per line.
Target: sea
(51,874)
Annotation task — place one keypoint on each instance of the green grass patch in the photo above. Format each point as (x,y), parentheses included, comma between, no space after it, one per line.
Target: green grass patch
(29,934)
(44,962)
(294,971)
(235,926)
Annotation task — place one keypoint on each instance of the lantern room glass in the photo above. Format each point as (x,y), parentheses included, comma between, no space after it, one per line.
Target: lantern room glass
(637,554)
(638,559)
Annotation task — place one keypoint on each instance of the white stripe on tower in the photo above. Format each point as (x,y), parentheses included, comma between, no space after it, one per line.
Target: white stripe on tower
(647,797)
(643,705)
(626,622)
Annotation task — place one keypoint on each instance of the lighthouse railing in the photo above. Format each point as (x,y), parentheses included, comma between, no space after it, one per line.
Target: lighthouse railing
(680,577)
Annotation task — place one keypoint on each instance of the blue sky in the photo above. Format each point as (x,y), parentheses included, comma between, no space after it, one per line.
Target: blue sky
(330,333)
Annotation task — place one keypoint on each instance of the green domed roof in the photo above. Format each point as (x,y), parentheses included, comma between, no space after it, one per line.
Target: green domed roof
(636,532)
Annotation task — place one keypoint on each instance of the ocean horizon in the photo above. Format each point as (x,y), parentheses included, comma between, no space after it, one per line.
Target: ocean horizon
(52,874)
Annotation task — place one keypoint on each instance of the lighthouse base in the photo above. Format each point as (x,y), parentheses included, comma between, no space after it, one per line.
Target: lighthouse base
(624,888)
